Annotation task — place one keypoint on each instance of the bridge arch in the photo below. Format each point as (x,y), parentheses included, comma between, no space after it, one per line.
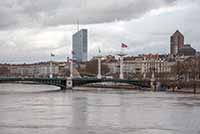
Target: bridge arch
(81,81)
(45,81)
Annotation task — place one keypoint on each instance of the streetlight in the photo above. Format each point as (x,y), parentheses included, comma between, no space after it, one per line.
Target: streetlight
(99,65)
(121,55)
(51,62)
(121,75)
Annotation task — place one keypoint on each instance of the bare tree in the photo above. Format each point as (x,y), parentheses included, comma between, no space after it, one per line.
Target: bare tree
(4,71)
(92,67)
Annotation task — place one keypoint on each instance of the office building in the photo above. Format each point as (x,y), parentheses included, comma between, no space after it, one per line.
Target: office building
(80,46)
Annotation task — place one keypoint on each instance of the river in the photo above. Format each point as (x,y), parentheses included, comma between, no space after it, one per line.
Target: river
(41,109)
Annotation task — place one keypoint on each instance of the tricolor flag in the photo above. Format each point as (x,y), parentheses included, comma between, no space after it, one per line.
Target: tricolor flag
(124,45)
(52,54)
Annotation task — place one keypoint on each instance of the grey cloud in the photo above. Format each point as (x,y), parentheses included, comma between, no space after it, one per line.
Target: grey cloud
(60,12)
(40,26)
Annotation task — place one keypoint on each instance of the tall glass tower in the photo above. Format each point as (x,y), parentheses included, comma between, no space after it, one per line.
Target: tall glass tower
(80,45)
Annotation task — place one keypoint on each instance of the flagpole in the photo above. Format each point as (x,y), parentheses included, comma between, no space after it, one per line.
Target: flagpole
(121,55)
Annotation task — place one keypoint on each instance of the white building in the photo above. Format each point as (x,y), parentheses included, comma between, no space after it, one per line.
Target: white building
(35,70)
(141,65)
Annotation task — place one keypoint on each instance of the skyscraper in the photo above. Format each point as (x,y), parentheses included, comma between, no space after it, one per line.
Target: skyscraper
(80,45)
(176,42)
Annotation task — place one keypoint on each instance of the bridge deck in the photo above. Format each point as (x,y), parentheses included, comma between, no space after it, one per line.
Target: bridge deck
(61,82)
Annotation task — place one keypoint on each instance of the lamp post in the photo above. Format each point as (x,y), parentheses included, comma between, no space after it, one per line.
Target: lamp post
(99,76)
(69,81)
(121,55)
(51,74)
(71,68)
(72,62)
(51,65)
(121,75)
(99,68)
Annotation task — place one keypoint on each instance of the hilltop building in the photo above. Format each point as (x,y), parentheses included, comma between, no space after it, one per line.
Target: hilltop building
(176,42)
(187,50)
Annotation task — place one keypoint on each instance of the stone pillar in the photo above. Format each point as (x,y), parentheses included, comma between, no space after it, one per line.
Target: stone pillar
(69,83)
(71,69)
(121,76)
(99,68)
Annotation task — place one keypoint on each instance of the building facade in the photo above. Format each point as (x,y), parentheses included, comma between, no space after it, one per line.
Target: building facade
(80,46)
(37,70)
(176,42)
(141,66)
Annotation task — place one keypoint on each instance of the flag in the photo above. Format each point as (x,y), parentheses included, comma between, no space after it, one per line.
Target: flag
(52,54)
(124,45)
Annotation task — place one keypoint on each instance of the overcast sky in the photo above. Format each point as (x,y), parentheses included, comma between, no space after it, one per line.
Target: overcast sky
(31,29)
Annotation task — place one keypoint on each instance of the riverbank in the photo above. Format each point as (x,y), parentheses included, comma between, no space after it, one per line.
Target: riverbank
(185,90)
(130,87)
(101,87)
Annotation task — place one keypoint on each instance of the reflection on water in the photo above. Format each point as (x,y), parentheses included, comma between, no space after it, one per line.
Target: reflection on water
(47,110)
